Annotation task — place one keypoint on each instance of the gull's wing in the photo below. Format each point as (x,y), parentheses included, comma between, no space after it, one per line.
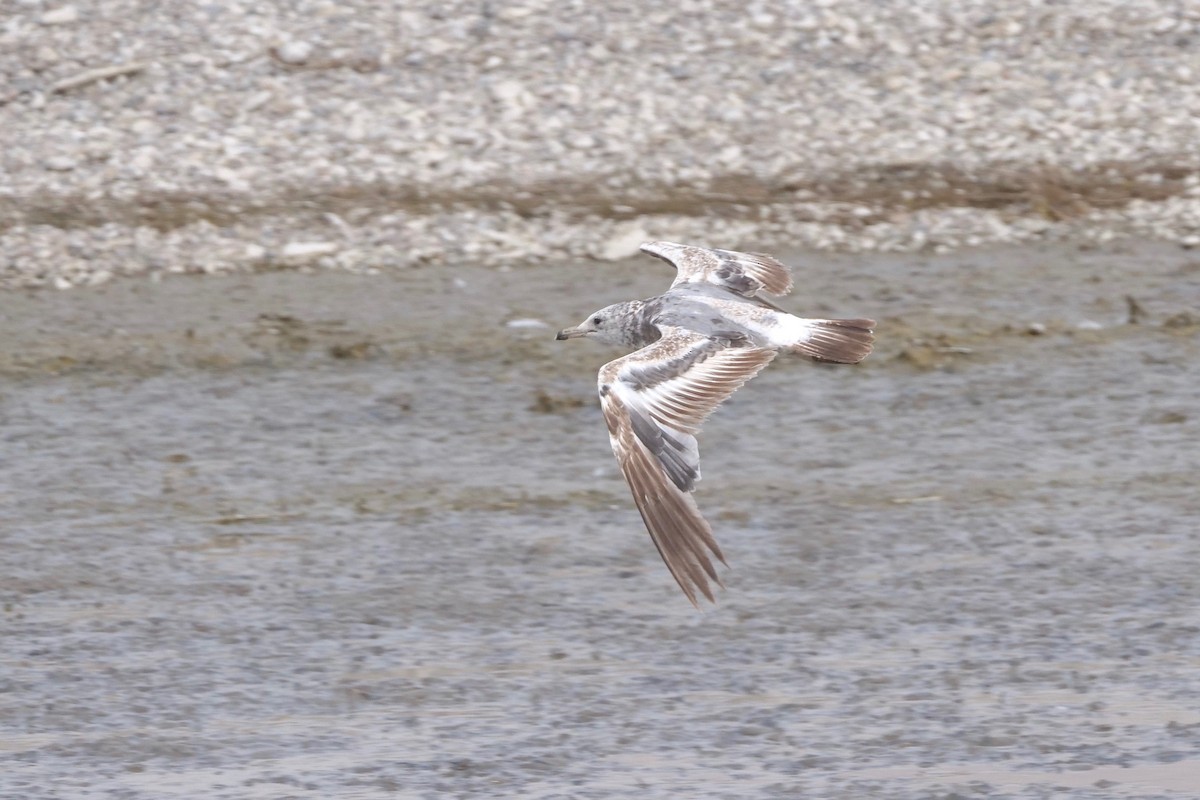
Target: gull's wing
(654,401)
(741,273)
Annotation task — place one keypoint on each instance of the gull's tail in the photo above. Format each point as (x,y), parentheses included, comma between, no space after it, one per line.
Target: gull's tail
(841,341)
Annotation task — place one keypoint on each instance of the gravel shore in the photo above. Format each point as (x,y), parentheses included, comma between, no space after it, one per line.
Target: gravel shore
(367,136)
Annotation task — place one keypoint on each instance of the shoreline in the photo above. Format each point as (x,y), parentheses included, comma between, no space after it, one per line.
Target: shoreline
(1002,300)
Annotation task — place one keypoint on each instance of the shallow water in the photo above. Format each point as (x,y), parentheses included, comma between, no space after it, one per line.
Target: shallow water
(333,536)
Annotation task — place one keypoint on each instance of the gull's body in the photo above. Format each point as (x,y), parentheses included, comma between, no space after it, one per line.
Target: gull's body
(696,344)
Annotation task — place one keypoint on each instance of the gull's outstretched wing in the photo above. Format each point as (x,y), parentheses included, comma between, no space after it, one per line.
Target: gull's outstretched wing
(654,401)
(741,273)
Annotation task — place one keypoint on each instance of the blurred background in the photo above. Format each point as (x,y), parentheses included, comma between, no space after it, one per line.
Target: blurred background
(299,497)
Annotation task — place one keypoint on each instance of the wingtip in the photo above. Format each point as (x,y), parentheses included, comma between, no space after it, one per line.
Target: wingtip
(659,249)
(775,275)
(706,591)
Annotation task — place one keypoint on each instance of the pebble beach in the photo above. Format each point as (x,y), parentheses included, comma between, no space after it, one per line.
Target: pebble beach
(377,136)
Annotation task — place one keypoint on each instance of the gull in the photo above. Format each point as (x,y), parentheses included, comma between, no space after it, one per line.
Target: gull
(694,346)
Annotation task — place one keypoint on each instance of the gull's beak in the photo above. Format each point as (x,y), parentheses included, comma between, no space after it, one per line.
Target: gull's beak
(569,333)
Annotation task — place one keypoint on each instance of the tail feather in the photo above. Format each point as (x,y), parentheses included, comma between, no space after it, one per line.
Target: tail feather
(841,341)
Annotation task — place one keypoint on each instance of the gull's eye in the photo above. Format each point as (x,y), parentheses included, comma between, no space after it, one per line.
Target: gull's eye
(596,320)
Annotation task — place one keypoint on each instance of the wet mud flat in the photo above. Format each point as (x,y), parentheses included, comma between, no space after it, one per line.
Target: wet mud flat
(323,535)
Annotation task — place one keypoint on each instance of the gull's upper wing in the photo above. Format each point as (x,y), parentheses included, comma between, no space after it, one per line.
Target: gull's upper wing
(654,401)
(741,273)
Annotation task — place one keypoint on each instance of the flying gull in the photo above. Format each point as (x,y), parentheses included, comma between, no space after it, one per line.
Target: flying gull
(694,346)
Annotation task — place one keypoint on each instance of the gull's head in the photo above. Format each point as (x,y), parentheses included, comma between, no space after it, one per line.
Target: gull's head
(609,325)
